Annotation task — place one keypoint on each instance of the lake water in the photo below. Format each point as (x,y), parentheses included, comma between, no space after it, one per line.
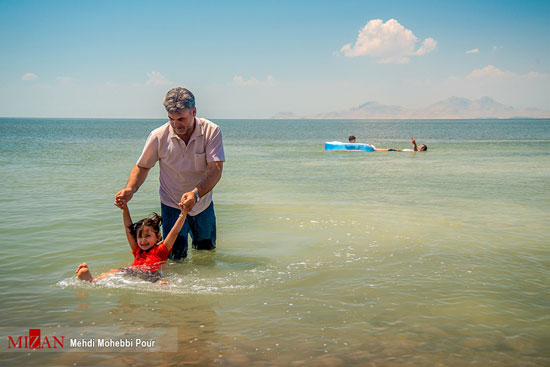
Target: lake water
(323,258)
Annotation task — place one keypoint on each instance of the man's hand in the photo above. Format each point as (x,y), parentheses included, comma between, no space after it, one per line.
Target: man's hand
(184,209)
(213,175)
(137,177)
(188,200)
(123,197)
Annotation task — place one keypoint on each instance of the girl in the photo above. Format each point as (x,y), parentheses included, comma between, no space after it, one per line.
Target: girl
(144,240)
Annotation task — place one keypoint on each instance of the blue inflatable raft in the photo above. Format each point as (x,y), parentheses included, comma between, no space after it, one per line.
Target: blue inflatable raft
(336,145)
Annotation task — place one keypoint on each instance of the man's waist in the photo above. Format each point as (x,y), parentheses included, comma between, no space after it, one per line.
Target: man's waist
(172,200)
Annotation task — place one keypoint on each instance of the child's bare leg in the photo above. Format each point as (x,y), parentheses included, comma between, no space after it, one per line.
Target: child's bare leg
(106,274)
(83,273)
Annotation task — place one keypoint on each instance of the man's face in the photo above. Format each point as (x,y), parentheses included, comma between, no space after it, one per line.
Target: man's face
(183,121)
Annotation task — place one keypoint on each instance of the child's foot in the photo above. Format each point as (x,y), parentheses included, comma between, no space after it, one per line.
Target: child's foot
(83,265)
(83,273)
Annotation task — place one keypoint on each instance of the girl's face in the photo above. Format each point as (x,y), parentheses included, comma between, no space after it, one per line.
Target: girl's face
(147,238)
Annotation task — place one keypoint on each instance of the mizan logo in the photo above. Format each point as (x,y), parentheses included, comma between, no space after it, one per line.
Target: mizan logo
(34,341)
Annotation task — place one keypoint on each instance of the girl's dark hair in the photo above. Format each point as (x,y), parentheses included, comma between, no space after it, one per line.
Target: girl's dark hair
(152,221)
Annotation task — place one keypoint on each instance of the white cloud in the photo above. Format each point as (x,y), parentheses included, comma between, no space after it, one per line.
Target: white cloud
(519,89)
(491,71)
(496,48)
(29,76)
(156,78)
(536,75)
(472,51)
(239,80)
(390,42)
(252,81)
(428,46)
(65,80)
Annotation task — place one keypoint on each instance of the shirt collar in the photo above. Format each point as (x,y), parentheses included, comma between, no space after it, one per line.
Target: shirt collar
(199,130)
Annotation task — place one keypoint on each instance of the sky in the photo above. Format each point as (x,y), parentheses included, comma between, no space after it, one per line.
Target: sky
(254,59)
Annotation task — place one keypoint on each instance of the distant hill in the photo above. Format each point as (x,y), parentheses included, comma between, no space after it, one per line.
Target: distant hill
(450,108)
(286,116)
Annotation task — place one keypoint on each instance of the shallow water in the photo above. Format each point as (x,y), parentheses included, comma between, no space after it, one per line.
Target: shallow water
(337,258)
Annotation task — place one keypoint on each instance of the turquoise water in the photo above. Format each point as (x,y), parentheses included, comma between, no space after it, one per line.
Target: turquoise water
(324,258)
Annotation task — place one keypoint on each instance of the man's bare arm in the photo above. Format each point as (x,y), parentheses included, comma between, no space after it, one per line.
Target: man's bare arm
(136,179)
(415,148)
(212,177)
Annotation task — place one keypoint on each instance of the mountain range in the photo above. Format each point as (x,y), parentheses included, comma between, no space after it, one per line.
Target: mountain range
(450,108)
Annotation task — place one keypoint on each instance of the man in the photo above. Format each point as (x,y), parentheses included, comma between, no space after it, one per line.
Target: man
(190,155)
(421,148)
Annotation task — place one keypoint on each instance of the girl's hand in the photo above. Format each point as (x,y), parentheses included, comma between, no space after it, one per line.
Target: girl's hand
(123,196)
(184,209)
(189,200)
(121,205)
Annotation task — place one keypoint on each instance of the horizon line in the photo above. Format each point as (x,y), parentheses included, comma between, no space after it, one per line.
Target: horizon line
(287,119)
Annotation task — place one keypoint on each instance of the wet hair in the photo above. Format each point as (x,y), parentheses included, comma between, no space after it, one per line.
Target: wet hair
(152,221)
(351,137)
(178,99)
(425,148)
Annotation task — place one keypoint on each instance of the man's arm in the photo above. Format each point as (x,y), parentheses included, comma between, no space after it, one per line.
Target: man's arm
(415,148)
(137,177)
(212,177)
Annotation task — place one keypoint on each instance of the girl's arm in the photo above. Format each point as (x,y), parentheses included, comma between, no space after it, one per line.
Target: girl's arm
(171,238)
(127,221)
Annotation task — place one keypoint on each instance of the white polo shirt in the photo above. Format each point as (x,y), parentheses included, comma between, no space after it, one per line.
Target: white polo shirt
(183,166)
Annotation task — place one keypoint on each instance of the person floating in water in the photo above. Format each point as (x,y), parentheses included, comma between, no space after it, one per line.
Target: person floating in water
(421,148)
(145,242)
(352,139)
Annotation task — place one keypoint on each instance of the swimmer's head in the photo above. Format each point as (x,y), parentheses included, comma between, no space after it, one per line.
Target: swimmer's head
(423,148)
(147,231)
(351,139)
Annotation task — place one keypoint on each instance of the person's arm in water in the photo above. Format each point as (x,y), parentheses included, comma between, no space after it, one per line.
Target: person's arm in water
(136,179)
(127,221)
(213,175)
(415,148)
(174,232)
